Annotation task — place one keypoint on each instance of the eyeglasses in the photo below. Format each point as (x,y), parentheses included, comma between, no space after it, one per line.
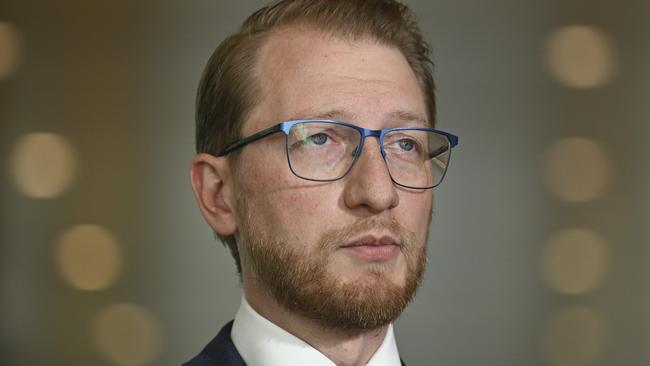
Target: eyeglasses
(324,151)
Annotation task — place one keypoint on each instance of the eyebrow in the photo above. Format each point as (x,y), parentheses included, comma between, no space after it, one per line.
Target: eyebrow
(406,116)
(334,114)
(401,117)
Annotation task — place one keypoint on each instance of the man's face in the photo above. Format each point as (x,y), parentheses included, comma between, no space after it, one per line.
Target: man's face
(349,253)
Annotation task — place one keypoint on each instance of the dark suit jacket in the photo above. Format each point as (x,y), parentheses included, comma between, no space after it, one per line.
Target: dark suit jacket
(220,352)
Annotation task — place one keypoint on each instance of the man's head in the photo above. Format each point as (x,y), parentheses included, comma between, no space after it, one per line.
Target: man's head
(229,87)
(348,253)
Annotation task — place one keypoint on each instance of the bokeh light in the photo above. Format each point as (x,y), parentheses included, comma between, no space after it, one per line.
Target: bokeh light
(43,165)
(9,49)
(581,56)
(128,334)
(577,169)
(575,336)
(575,261)
(89,257)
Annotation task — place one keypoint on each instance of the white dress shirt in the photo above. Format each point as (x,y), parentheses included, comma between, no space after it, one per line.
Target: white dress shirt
(262,343)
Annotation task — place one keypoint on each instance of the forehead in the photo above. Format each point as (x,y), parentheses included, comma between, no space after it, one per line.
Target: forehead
(303,73)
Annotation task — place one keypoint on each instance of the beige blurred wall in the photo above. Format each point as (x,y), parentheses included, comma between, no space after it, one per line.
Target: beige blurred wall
(539,244)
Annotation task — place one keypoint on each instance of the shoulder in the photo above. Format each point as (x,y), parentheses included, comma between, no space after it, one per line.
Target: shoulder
(219,352)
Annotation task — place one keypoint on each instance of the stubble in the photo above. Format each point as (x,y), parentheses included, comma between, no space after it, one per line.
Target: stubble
(299,280)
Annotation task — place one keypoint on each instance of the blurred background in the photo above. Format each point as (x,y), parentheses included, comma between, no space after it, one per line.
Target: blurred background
(539,247)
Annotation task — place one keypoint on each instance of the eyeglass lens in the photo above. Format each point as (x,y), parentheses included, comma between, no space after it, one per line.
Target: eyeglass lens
(325,151)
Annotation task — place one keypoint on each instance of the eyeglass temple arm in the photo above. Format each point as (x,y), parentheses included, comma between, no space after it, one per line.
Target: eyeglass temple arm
(438,151)
(453,139)
(247,140)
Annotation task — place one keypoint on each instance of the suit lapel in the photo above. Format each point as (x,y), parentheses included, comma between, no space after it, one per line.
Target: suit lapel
(219,352)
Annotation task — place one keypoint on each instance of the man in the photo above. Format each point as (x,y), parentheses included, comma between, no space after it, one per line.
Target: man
(316,162)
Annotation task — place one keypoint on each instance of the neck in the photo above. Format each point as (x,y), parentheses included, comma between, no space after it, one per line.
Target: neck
(344,347)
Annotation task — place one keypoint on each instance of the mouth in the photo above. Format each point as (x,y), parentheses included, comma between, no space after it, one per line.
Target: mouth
(373,249)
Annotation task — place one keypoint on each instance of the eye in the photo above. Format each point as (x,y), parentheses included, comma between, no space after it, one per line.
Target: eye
(406,144)
(317,139)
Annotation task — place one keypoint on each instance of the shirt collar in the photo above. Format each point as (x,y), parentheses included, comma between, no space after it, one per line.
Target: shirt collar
(262,343)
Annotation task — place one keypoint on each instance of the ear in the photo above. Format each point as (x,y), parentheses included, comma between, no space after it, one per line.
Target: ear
(212,184)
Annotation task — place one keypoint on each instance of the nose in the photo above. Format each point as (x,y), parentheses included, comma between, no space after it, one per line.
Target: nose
(368,184)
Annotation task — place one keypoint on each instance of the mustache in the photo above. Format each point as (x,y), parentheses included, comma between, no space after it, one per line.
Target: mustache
(334,239)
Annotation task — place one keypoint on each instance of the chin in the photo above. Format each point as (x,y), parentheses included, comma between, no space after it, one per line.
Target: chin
(374,275)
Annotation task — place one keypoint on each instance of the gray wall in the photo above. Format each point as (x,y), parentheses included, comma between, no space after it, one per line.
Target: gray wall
(117,80)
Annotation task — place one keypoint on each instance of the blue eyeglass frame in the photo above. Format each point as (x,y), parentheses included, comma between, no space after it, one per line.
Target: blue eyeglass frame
(285,127)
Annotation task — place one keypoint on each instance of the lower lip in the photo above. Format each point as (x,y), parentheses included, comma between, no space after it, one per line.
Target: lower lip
(375,253)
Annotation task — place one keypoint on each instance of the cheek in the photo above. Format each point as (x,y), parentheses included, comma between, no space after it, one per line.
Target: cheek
(289,207)
(416,210)
(304,213)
